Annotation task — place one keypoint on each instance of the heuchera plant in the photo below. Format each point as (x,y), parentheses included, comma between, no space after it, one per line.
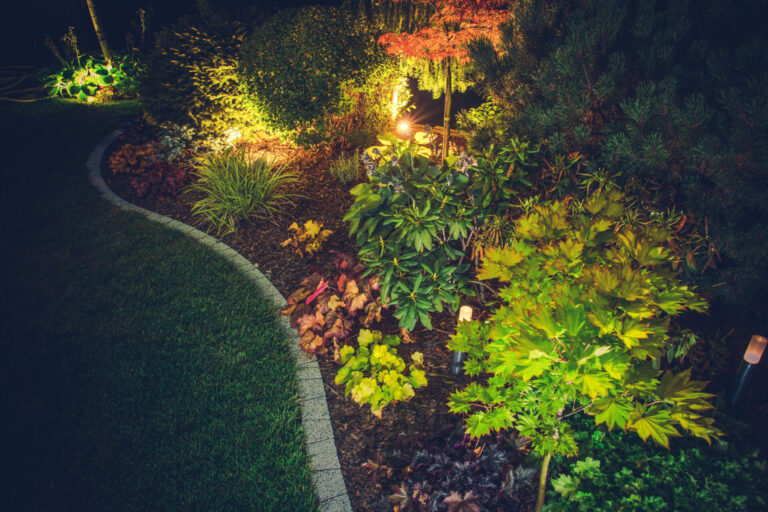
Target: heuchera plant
(308,239)
(162,180)
(327,308)
(132,158)
(455,471)
(375,373)
(586,307)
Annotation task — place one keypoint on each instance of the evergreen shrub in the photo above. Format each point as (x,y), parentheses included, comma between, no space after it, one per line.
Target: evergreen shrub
(666,92)
(191,77)
(317,73)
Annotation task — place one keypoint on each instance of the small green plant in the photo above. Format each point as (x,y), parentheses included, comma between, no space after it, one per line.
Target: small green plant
(375,373)
(236,188)
(86,80)
(346,168)
(308,239)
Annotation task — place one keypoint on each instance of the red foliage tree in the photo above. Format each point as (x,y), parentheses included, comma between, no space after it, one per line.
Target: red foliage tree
(454,24)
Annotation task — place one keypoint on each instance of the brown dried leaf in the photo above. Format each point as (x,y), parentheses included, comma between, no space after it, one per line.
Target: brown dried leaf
(308,322)
(334,302)
(339,329)
(312,343)
(405,335)
(341,283)
(311,282)
(372,313)
(354,299)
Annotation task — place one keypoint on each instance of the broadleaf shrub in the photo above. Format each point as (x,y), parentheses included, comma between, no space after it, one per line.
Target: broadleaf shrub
(416,224)
(317,73)
(585,310)
(191,77)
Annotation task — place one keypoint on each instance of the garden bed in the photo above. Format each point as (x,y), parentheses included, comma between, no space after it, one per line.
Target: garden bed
(360,437)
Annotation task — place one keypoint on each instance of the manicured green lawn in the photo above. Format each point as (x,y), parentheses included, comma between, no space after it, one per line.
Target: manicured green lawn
(139,371)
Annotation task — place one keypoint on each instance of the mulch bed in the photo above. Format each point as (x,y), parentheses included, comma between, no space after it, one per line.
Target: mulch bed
(359,435)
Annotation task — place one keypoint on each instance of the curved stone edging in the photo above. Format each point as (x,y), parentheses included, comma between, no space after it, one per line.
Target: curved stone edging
(329,483)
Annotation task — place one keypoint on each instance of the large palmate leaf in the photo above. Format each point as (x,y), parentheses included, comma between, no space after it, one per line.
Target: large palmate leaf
(611,411)
(654,422)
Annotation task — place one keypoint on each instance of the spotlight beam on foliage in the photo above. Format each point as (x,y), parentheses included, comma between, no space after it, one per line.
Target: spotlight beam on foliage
(454,24)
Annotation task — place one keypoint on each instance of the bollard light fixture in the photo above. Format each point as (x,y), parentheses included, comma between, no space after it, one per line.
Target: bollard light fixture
(755,349)
(465,315)
(752,357)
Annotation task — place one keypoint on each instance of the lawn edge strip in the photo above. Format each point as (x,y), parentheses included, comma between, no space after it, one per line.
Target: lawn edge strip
(328,480)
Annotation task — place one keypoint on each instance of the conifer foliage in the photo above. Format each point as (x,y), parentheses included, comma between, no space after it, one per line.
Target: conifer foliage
(670,94)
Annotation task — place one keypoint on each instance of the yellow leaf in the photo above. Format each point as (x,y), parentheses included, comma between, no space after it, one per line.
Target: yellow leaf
(311,228)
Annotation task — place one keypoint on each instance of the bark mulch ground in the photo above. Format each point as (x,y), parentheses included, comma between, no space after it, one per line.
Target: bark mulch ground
(359,435)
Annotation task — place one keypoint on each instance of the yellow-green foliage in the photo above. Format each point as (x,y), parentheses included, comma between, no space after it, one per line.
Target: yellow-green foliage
(308,239)
(375,373)
(586,306)
(346,168)
(191,77)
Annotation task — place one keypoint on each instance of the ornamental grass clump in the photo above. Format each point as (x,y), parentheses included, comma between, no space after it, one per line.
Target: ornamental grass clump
(237,188)
(346,168)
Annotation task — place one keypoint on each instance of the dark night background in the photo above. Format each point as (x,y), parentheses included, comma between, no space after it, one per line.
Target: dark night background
(25,24)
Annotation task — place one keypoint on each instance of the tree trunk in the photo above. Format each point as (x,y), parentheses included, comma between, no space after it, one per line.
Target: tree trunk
(542,483)
(447,110)
(99,33)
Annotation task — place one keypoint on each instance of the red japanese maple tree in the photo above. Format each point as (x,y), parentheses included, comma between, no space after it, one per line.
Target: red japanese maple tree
(454,24)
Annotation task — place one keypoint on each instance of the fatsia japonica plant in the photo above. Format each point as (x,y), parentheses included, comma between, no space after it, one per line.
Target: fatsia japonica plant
(414,222)
(585,310)
(411,225)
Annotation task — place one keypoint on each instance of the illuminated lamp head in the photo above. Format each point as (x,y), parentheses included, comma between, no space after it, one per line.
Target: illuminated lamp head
(755,349)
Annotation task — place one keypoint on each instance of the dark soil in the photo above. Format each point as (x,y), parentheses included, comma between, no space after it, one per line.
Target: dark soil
(359,435)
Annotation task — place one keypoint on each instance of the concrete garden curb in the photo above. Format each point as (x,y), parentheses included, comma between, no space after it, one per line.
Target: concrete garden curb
(329,483)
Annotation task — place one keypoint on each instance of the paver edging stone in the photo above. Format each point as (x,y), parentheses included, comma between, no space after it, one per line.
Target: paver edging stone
(329,483)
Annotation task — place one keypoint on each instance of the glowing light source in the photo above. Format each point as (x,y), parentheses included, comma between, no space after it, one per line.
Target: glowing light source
(403,126)
(751,357)
(394,102)
(755,349)
(90,99)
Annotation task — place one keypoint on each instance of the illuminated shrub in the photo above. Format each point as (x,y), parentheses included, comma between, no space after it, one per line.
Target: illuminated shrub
(317,73)
(191,77)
